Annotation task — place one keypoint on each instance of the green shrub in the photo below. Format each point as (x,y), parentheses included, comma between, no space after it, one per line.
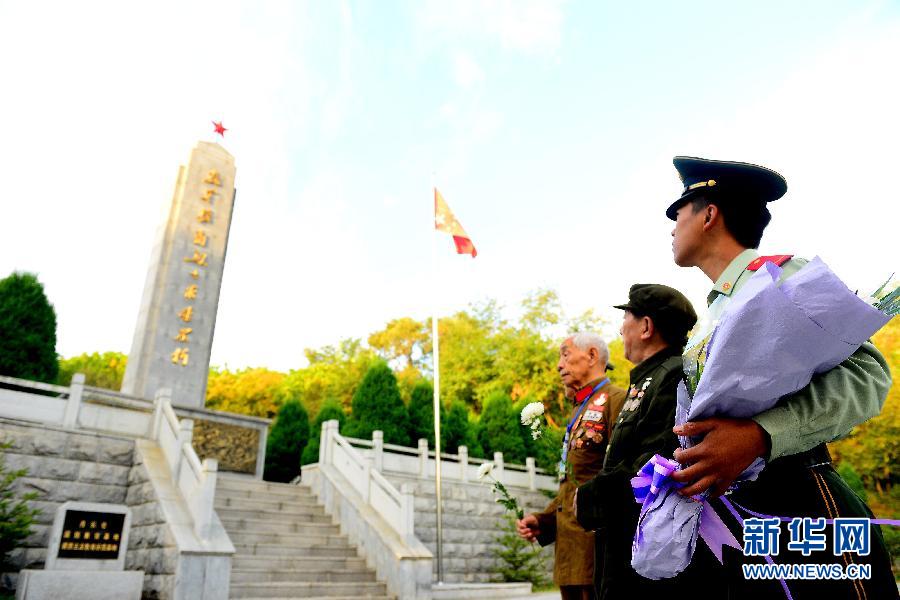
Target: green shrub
(377,406)
(27,330)
(286,442)
(454,427)
(519,560)
(421,413)
(331,410)
(16,516)
(500,429)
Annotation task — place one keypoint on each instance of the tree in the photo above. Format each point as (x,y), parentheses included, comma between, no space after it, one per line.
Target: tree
(873,448)
(421,412)
(500,427)
(620,375)
(257,392)
(401,340)
(27,330)
(466,357)
(331,410)
(100,370)
(333,372)
(454,427)
(286,442)
(377,406)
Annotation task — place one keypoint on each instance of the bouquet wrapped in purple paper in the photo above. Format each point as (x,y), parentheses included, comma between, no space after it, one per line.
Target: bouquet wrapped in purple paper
(766,341)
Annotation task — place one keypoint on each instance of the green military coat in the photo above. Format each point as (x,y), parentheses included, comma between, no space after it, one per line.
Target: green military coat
(606,502)
(574,551)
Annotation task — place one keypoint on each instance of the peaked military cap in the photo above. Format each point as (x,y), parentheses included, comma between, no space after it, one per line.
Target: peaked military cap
(742,181)
(668,307)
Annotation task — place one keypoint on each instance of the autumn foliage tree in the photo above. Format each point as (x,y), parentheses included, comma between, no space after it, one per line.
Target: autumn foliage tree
(104,370)
(334,372)
(257,392)
(873,448)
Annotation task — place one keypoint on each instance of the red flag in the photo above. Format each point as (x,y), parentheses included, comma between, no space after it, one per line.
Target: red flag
(446,222)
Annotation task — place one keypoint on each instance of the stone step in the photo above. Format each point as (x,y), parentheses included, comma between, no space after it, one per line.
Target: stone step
(294,540)
(292,551)
(289,495)
(479,591)
(251,562)
(282,589)
(261,489)
(309,516)
(323,597)
(300,503)
(287,525)
(322,575)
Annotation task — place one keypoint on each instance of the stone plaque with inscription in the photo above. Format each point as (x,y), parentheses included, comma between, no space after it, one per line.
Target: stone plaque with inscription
(85,557)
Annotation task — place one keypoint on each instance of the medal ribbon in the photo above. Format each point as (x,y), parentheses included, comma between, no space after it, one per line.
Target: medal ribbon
(565,444)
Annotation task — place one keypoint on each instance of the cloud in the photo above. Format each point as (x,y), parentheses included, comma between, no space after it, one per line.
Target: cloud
(530,26)
(466,71)
(338,99)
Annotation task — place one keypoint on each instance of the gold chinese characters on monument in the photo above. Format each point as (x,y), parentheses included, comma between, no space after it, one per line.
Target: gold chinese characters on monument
(91,535)
(199,259)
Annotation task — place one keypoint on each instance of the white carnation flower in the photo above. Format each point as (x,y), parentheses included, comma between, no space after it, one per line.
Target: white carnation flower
(485,469)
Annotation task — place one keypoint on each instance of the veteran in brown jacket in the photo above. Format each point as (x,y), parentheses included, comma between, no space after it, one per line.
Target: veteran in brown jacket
(583,361)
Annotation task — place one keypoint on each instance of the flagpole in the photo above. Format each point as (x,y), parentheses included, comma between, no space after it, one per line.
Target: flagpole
(437,394)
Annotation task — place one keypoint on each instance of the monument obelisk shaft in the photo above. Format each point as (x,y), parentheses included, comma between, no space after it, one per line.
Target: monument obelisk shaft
(177,317)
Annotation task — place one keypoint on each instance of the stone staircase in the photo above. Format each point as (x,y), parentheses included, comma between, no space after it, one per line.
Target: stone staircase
(287,547)
(472,522)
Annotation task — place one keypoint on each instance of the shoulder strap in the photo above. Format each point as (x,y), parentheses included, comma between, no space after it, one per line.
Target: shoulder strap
(778,259)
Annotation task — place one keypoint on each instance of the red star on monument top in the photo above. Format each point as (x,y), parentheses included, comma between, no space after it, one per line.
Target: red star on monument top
(220,129)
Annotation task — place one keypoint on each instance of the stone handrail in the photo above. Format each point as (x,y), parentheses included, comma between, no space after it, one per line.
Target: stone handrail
(394,506)
(195,480)
(419,462)
(40,402)
(34,385)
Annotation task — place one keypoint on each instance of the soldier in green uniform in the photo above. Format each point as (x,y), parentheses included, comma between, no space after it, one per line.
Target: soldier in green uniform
(654,331)
(719,221)
(583,361)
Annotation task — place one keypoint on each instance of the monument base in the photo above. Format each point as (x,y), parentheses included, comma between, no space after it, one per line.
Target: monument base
(79,585)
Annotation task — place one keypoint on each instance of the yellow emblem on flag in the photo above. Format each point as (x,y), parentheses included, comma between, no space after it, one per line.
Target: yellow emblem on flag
(445,221)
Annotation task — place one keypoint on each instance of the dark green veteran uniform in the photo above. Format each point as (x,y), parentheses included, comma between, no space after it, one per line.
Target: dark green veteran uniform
(644,428)
(574,551)
(799,480)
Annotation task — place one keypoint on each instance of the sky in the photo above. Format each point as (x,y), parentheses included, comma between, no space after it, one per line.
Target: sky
(548,126)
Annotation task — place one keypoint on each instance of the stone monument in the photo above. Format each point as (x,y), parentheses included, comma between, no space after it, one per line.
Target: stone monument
(85,557)
(177,317)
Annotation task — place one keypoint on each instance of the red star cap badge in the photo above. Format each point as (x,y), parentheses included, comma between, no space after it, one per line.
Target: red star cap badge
(220,129)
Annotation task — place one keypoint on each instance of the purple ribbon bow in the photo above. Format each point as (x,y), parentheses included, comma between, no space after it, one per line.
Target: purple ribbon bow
(654,478)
